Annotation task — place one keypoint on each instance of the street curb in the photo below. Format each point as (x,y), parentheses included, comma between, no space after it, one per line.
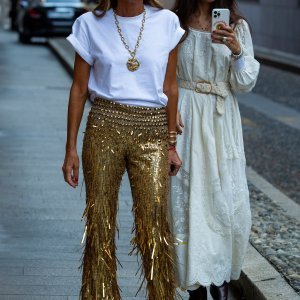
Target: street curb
(245,287)
(272,109)
(286,61)
(288,205)
(63,51)
(259,279)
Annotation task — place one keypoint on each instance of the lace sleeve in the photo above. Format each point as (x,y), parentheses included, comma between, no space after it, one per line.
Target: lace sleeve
(244,71)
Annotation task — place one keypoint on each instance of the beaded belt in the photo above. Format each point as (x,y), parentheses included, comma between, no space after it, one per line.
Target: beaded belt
(129,115)
(138,121)
(219,89)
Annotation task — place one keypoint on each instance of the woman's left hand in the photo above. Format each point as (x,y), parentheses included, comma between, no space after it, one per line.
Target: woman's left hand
(226,35)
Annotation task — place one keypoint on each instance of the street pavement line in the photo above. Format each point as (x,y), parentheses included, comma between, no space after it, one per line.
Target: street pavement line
(287,204)
(272,109)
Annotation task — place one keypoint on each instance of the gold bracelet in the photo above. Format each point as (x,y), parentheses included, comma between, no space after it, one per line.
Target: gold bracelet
(172,143)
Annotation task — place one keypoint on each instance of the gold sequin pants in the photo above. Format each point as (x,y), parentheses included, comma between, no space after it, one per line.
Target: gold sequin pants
(120,137)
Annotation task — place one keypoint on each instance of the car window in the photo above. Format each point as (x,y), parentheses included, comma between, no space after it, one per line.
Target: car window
(65,1)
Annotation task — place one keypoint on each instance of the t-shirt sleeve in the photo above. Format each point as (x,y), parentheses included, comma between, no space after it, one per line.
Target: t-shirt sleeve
(80,41)
(176,32)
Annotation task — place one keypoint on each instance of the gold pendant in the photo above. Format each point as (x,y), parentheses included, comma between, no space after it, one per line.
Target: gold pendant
(133,64)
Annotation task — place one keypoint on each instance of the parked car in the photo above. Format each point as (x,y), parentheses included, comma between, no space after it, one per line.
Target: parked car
(44,18)
(13,14)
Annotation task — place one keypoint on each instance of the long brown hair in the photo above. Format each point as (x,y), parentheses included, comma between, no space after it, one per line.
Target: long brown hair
(185,9)
(104,5)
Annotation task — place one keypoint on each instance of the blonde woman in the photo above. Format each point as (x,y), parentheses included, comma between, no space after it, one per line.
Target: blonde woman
(209,196)
(126,54)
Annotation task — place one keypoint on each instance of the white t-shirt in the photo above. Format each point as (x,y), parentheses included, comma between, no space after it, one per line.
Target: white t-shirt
(98,42)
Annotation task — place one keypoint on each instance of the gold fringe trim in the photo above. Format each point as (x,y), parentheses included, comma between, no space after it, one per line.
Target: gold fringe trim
(112,131)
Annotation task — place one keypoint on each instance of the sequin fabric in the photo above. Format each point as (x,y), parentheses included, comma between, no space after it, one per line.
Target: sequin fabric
(118,138)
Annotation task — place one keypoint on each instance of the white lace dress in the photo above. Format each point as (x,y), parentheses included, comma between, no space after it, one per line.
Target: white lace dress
(209,198)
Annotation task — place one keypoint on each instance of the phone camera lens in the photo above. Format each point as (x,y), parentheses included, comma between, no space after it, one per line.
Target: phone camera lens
(217,14)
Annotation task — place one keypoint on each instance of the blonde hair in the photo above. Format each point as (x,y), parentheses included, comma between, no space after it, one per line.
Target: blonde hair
(104,5)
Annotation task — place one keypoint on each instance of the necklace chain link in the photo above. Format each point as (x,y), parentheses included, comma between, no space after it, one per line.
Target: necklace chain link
(132,53)
(200,25)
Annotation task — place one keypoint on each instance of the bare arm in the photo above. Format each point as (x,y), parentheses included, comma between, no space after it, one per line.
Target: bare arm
(171,90)
(78,96)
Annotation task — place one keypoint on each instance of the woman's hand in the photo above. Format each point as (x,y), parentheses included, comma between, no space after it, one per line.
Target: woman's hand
(174,162)
(70,168)
(78,96)
(179,123)
(226,35)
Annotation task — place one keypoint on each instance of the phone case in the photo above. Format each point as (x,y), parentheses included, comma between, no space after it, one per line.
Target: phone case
(220,16)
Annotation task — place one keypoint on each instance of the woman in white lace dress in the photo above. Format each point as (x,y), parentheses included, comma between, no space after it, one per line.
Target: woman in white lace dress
(209,197)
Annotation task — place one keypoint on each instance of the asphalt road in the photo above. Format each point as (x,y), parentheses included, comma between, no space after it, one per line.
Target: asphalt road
(279,85)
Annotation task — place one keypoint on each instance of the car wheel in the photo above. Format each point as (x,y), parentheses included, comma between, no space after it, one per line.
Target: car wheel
(24,38)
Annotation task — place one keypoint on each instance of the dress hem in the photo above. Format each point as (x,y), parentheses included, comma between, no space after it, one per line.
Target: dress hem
(197,283)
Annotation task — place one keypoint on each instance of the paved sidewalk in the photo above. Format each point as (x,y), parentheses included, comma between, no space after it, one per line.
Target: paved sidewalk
(40,227)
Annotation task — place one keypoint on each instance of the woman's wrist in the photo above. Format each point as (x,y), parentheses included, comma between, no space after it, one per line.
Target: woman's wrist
(237,54)
(71,148)
(172,148)
(172,138)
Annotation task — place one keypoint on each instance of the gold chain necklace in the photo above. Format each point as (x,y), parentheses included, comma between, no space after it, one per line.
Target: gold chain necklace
(132,64)
(201,26)
(207,27)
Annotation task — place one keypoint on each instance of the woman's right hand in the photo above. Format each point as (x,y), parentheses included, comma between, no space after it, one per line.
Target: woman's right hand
(70,168)
(179,123)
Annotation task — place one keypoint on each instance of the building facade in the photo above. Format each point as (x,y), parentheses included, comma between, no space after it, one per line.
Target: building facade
(4,11)
(275,24)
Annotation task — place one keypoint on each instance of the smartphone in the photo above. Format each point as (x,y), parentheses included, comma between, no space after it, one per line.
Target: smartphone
(220,16)
(173,168)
